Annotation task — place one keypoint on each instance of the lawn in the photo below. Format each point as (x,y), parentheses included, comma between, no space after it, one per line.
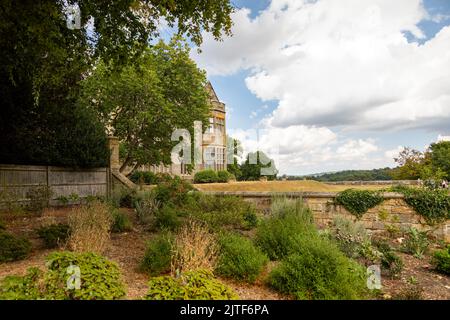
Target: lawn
(280,186)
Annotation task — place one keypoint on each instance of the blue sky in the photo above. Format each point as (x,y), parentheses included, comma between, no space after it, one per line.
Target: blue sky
(252,101)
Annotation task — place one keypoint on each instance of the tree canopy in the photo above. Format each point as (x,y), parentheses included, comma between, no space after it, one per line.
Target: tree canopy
(142,104)
(42,62)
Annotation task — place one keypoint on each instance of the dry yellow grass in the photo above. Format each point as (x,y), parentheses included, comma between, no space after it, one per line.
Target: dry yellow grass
(280,186)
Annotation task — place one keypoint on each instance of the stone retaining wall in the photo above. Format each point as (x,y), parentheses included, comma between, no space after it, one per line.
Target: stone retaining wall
(393,214)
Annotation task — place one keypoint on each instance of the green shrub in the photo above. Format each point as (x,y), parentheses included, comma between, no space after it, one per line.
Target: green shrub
(318,270)
(220,212)
(13,248)
(206,176)
(358,202)
(157,256)
(54,235)
(121,222)
(144,177)
(100,279)
(278,235)
(223,176)
(22,287)
(146,209)
(195,285)
(390,261)
(433,205)
(441,260)
(167,218)
(123,198)
(416,242)
(239,258)
(353,239)
(174,190)
(2,226)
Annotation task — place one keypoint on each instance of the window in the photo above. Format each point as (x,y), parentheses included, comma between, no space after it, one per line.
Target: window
(211,125)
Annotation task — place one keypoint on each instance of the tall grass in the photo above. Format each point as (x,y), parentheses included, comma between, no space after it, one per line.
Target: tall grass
(194,248)
(90,227)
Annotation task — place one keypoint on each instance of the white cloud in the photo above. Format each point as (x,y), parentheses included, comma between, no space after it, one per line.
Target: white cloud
(334,64)
(443,138)
(340,62)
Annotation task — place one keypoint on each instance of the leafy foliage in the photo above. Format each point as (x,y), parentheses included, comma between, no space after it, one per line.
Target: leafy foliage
(390,261)
(257,165)
(195,285)
(220,212)
(239,258)
(54,235)
(441,260)
(358,202)
(39,198)
(144,177)
(416,242)
(206,176)
(353,175)
(144,103)
(318,270)
(100,280)
(13,248)
(158,255)
(277,236)
(433,205)
(174,190)
(223,176)
(121,222)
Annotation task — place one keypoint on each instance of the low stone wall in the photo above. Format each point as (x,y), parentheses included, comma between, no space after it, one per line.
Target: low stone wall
(393,214)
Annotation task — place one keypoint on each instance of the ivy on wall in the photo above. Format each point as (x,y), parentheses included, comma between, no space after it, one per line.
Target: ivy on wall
(433,205)
(358,202)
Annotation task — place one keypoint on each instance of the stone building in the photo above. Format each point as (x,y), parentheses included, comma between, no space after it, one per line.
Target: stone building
(214,143)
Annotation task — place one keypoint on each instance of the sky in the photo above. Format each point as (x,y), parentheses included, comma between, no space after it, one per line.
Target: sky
(331,85)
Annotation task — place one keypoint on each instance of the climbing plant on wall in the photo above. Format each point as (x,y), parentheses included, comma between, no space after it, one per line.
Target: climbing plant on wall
(358,202)
(433,205)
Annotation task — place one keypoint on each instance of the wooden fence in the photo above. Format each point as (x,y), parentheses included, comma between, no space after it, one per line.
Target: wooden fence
(18,180)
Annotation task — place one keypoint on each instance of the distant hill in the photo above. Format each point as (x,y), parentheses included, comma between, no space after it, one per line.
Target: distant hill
(349,175)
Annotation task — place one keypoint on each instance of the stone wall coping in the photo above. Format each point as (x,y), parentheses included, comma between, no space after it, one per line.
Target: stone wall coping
(250,194)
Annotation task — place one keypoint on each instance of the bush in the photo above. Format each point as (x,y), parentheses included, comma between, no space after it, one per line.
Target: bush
(220,212)
(195,248)
(144,177)
(99,279)
(167,218)
(13,248)
(318,270)
(158,255)
(223,176)
(278,235)
(121,222)
(353,240)
(239,258)
(90,226)
(416,242)
(206,176)
(433,205)
(196,285)
(174,191)
(441,260)
(54,235)
(390,261)
(123,198)
(39,198)
(358,202)
(146,209)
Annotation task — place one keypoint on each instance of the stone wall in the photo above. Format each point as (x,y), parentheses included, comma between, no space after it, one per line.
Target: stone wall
(393,214)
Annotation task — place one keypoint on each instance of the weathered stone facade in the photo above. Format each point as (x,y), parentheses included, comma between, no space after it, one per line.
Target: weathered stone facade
(393,214)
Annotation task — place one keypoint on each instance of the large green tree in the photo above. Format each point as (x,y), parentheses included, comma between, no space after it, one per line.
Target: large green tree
(42,62)
(142,104)
(253,167)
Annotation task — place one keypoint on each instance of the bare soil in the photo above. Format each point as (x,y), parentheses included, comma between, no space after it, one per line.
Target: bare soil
(127,250)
